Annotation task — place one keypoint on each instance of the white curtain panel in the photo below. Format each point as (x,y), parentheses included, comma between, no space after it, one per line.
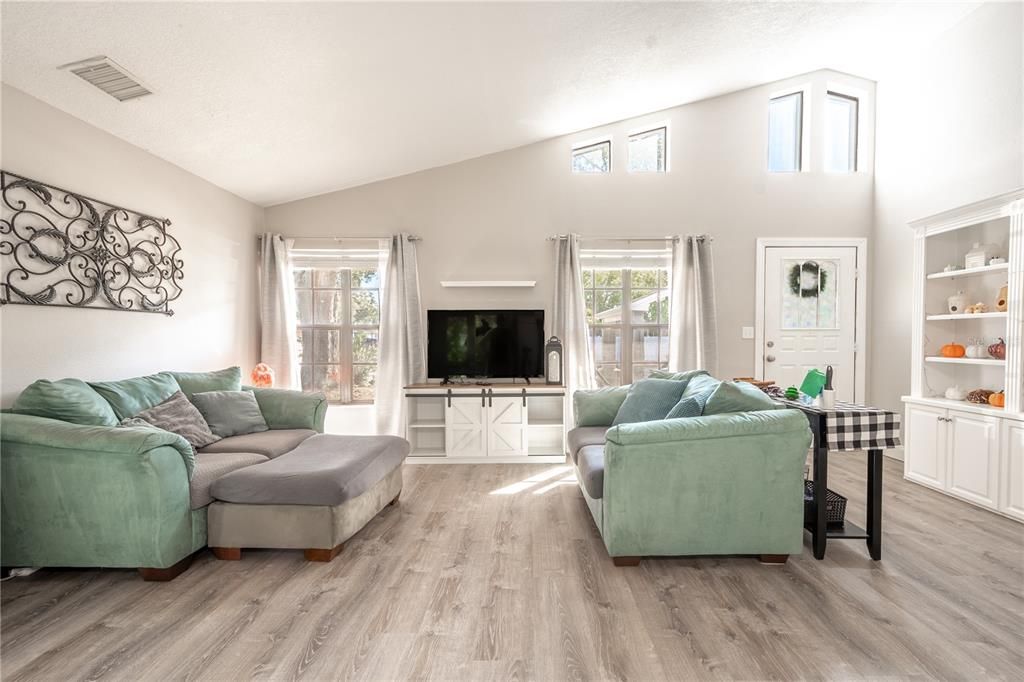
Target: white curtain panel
(693,318)
(569,322)
(278,346)
(403,351)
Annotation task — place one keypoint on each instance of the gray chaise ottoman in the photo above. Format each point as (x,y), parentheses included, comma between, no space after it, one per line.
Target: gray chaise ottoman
(314,498)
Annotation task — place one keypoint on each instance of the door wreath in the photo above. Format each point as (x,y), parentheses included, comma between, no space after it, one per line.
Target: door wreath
(807,279)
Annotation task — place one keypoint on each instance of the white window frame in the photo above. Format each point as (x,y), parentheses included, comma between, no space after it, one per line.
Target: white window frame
(344,259)
(806,94)
(587,145)
(644,131)
(627,326)
(845,90)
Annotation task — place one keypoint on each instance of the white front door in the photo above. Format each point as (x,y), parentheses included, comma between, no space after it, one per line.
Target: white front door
(810,315)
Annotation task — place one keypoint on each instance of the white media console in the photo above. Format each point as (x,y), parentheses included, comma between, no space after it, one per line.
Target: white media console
(499,423)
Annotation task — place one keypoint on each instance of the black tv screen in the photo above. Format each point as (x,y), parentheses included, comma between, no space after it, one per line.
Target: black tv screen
(485,343)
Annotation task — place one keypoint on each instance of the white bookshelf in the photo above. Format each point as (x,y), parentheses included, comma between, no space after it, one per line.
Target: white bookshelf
(971,451)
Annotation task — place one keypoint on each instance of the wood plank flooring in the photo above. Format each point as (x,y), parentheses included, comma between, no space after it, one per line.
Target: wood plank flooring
(497,572)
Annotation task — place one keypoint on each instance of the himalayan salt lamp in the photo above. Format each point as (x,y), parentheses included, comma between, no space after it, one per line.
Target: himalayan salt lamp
(262,376)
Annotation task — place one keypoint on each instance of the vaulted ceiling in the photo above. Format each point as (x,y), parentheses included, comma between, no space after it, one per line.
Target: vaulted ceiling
(278,101)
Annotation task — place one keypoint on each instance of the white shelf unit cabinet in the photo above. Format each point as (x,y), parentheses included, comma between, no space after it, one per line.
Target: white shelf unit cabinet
(498,423)
(970,451)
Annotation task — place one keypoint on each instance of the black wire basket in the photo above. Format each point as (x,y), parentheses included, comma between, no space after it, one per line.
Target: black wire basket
(835,505)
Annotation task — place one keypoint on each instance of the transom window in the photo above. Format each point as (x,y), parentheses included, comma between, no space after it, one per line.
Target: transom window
(647,151)
(785,132)
(840,133)
(338,330)
(627,310)
(593,158)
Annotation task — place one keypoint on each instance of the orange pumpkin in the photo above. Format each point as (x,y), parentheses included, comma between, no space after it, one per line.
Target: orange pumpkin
(953,350)
(997,399)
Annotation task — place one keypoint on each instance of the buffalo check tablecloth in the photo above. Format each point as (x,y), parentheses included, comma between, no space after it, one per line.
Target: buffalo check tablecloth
(849,426)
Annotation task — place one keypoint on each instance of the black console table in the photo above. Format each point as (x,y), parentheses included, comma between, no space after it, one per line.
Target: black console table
(848,426)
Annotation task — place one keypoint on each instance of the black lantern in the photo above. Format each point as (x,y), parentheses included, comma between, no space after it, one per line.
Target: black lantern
(553,361)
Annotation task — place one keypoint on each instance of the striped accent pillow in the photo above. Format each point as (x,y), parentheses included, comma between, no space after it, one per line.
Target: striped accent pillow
(178,415)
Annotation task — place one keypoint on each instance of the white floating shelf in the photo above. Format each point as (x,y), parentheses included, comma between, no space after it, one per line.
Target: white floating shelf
(496,283)
(967,316)
(966,361)
(971,272)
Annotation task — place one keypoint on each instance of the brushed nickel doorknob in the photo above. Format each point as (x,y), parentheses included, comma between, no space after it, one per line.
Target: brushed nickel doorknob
(770,358)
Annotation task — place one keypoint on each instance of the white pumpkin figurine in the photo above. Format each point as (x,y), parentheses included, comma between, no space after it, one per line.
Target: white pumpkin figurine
(976,349)
(954,393)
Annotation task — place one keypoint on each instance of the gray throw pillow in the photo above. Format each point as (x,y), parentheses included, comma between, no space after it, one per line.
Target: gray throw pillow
(178,415)
(230,413)
(649,400)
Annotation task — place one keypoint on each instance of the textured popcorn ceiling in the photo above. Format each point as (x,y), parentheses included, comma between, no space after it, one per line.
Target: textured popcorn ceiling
(278,101)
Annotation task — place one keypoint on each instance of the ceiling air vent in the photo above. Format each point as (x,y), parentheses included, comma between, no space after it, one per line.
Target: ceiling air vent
(108,76)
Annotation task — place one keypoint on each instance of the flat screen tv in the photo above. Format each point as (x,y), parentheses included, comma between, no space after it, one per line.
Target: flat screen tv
(485,343)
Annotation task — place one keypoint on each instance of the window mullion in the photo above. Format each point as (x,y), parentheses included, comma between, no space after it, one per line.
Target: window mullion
(627,325)
(346,343)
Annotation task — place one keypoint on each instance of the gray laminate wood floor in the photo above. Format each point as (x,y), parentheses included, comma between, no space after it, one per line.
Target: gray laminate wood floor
(496,571)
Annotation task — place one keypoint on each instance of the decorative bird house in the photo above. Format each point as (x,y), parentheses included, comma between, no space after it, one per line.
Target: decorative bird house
(553,361)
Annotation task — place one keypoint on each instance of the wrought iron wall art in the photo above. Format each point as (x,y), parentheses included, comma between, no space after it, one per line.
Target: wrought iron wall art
(63,249)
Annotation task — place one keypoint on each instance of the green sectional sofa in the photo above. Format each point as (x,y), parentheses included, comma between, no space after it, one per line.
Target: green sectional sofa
(97,494)
(729,483)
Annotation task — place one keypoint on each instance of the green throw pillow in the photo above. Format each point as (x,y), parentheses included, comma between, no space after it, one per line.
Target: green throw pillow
(230,413)
(738,396)
(649,400)
(677,376)
(128,397)
(69,400)
(229,379)
(701,385)
(598,407)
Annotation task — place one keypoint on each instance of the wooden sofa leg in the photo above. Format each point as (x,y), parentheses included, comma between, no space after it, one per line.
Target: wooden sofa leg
(163,575)
(774,558)
(227,553)
(626,560)
(315,554)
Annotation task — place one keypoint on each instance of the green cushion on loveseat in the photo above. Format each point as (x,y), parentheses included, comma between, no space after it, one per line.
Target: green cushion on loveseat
(128,397)
(229,379)
(598,407)
(67,400)
(738,396)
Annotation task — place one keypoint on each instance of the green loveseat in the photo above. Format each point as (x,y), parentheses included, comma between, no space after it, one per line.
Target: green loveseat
(103,495)
(707,485)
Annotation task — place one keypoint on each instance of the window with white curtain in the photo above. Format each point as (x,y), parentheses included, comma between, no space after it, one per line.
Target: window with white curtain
(337,292)
(627,294)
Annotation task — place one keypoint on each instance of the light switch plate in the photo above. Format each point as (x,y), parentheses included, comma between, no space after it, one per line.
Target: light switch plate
(747,332)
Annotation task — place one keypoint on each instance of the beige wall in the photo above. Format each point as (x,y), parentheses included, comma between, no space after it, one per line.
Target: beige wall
(488,218)
(950,131)
(214,324)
